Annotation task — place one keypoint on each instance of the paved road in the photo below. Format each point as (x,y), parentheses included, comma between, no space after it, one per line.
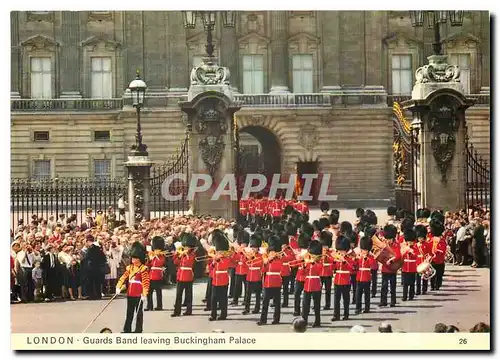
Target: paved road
(463,301)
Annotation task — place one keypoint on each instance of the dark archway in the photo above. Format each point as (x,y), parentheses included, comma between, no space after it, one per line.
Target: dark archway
(259,151)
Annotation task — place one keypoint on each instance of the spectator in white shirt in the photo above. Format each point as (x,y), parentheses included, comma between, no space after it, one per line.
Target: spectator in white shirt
(26,261)
(462,243)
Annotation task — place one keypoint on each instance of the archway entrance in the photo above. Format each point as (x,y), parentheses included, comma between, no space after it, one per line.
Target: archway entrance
(259,152)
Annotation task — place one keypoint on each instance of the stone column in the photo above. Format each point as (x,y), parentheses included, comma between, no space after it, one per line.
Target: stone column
(131,198)
(15,59)
(70,55)
(279,52)
(330,25)
(177,65)
(138,166)
(229,54)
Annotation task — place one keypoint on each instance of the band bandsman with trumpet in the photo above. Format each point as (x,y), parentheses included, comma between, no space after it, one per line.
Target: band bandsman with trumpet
(241,270)
(438,251)
(254,274)
(312,283)
(156,265)
(286,272)
(388,271)
(351,256)
(136,280)
(363,275)
(184,260)
(409,270)
(342,279)
(327,264)
(422,250)
(303,242)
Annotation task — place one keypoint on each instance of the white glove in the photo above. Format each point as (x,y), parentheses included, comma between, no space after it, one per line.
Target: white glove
(118,291)
(143,298)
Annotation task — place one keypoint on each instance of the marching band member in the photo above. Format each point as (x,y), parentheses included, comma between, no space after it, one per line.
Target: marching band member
(287,257)
(363,276)
(327,263)
(342,280)
(391,212)
(291,230)
(388,274)
(409,269)
(254,274)
(324,207)
(438,252)
(243,211)
(312,283)
(184,259)
(220,281)
(156,266)
(351,257)
(272,281)
(303,241)
(240,259)
(422,251)
(136,276)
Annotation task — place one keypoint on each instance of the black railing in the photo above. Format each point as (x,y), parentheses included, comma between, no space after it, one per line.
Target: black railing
(67,196)
(478,179)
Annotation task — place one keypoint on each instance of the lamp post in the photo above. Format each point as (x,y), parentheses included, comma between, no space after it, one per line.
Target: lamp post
(137,89)
(434,21)
(209,19)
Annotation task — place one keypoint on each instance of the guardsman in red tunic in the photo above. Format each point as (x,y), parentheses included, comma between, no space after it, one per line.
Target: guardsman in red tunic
(272,281)
(312,283)
(388,274)
(254,275)
(409,270)
(342,280)
(259,208)
(438,252)
(221,264)
(243,210)
(277,210)
(351,257)
(208,292)
(251,208)
(136,278)
(303,241)
(286,273)
(422,251)
(364,275)
(241,270)
(184,260)
(327,263)
(291,230)
(156,265)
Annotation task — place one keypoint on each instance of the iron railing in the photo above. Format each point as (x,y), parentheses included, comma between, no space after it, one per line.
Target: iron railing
(478,179)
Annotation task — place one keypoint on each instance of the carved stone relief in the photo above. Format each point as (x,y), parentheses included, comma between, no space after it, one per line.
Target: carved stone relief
(438,70)
(308,136)
(39,42)
(47,16)
(253,22)
(100,16)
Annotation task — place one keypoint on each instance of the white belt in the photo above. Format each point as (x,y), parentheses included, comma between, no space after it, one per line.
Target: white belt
(156,268)
(420,255)
(312,277)
(343,272)
(240,262)
(285,263)
(134,282)
(327,264)
(273,273)
(254,268)
(408,260)
(186,268)
(364,269)
(221,272)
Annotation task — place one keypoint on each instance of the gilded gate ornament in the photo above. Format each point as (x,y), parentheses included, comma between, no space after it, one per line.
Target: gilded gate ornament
(212,149)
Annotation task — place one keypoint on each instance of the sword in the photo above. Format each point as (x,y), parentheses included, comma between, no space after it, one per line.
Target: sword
(104,308)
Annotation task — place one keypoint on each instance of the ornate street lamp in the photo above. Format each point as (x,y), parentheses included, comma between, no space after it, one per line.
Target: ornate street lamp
(138,91)
(229,18)
(434,20)
(189,19)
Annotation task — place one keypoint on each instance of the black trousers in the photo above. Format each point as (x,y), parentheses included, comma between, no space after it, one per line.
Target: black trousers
(240,283)
(306,306)
(374,281)
(292,280)
(275,295)
(27,288)
(286,289)
(326,282)
(95,283)
(50,282)
(219,300)
(299,288)
(134,305)
(363,288)
(208,294)
(462,251)
(253,287)
(155,286)
(353,286)
(181,288)
(388,279)
(422,285)
(341,291)
(437,280)
(232,279)
(409,283)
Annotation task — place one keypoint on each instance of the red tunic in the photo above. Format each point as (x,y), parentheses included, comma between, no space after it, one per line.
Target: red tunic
(313,280)
(288,256)
(272,278)
(251,206)
(254,273)
(327,265)
(277,210)
(438,250)
(374,264)
(138,280)
(260,207)
(300,276)
(342,273)
(156,266)
(410,262)
(244,207)
(292,242)
(185,267)
(364,269)
(421,249)
(397,251)
(241,263)
(221,275)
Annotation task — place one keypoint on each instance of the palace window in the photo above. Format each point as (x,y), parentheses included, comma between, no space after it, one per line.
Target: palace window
(302,70)
(402,75)
(41,170)
(41,78)
(102,170)
(102,135)
(253,74)
(102,84)
(463,63)
(40,136)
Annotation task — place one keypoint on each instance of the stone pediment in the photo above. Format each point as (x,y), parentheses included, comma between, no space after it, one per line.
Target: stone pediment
(402,41)
(461,39)
(254,37)
(303,43)
(39,42)
(100,41)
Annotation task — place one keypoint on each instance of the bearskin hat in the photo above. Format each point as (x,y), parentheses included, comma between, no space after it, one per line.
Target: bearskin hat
(342,243)
(353,237)
(255,241)
(315,225)
(277,228)
(324,206)
(390,232)
(365,243)
(410,235)
(219,240)
(426,213)
(333,219)
(138,251)
(288,210)
(419,214)
(291,228)
(283,238)
(307,229)
(243,237)
(392,210)
(323,223)
(360,212)
(345,226)
(158,243)
(372,218)
(421,231)
(274,243)
(335,212)
(407,223)
(370,231)
(303,241)
(437,215)
(400,214)
(437,227)
(326,239)
(189,240)
(315,248)
(253,227)
(266,233)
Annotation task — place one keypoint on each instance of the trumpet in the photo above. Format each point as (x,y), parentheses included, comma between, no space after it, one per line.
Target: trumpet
(310,258)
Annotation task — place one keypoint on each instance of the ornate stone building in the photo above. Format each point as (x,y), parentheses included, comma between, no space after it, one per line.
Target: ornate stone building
(71,115)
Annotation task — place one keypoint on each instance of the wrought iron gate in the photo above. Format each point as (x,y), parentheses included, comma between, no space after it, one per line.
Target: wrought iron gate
(478,177)
(178,164)
(406,154)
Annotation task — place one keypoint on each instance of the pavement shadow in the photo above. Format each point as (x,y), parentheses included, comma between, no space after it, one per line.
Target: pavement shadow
(438,300)
(343,326)
(462,276)
(374,319)
(399,312)
(423,306)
